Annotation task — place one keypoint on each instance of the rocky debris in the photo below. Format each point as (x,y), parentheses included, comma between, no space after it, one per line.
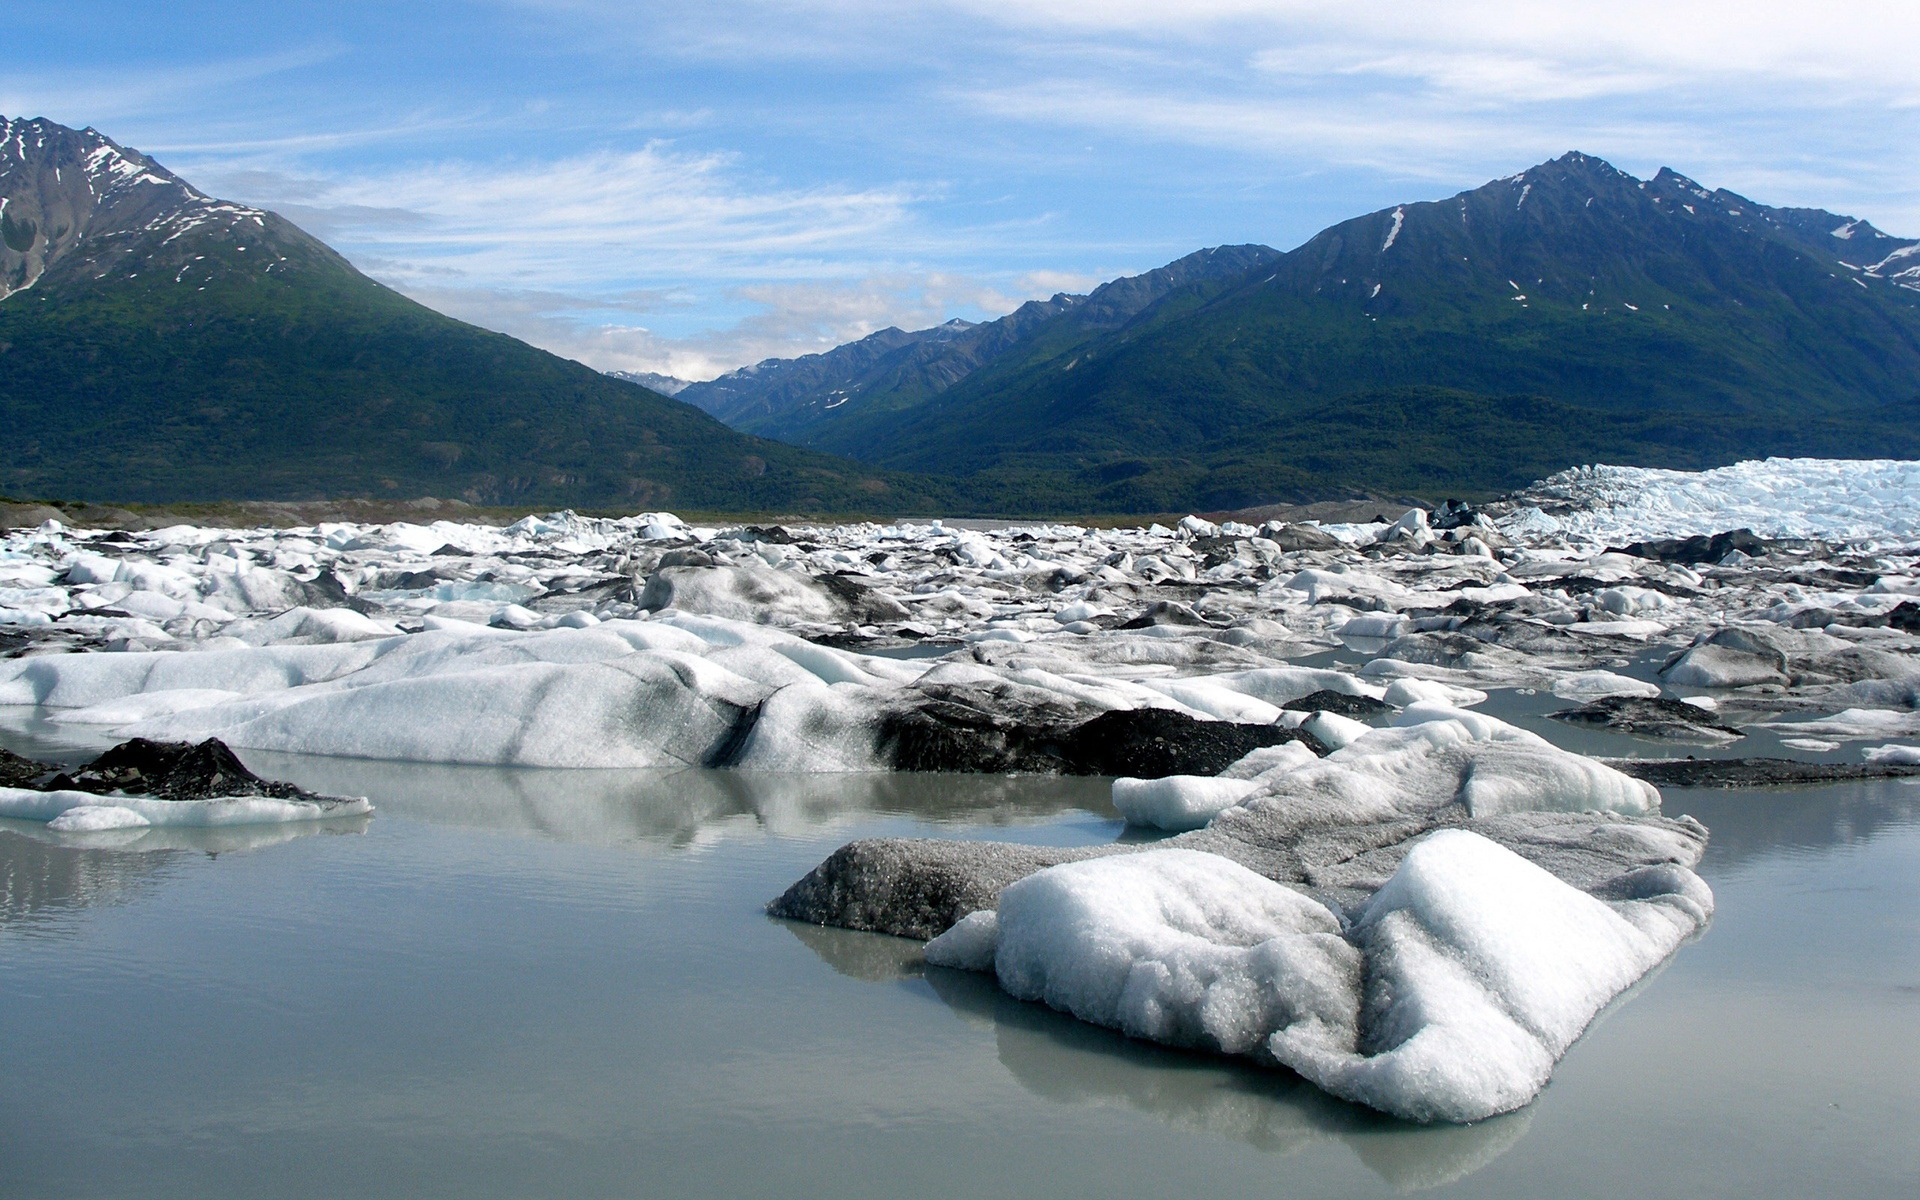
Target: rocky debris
(1152,743)
(1295,537)
(915,887)
(967,730)
(1657,717)
(1701,548)
(18,772)
(1752,772)
(1340,703)
(169,771)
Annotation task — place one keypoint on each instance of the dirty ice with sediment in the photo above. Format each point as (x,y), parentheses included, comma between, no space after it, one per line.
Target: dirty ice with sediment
(1353,873)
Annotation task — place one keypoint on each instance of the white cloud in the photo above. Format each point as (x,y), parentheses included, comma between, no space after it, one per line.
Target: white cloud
(786,319)
(595,218)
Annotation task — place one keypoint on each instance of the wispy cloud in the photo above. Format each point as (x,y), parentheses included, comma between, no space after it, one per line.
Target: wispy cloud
(689,185)
(102,93)
(591,218)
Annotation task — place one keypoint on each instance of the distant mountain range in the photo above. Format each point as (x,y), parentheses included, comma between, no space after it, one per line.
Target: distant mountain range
(1570,313)
(653,381)
(844,394)
(160,345)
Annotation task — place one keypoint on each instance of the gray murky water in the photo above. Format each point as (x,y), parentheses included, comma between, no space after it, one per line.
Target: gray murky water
(539,983)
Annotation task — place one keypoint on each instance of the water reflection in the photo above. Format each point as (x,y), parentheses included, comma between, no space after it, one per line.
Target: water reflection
(1066,1061)
(690,807)
(1750,825)
(42,878)
(44,873)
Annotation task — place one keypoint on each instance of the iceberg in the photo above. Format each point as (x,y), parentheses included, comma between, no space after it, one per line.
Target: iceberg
(1449,998)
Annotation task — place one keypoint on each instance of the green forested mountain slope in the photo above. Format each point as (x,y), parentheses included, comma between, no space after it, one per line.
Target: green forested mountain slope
(158,345)
(1568,314)
(837,399)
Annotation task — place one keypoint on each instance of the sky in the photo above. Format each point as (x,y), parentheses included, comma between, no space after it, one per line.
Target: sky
(690,187)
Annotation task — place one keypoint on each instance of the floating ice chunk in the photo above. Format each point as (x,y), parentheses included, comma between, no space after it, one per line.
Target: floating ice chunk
(811,728)
(1507,779)
(1210,698)
(759,594)
(1475,726)
(96,818)
(997,635)
(1597,685)
(1715,666)
(1816,745)
(1481,969)
(78,680)
(1462,982)
(21,804)
(1894,756)
(633,711)
(1435,755)
(1854,724)
(1178,802)
(1413,524)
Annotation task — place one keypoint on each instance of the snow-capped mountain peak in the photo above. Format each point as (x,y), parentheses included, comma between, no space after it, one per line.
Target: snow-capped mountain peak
(64,189)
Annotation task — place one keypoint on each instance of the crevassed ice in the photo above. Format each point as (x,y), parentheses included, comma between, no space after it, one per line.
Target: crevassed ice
(1875,499)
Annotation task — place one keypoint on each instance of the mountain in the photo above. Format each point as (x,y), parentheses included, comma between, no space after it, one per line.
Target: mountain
(1567,314)
(836,399)
(157,344)
(653,381)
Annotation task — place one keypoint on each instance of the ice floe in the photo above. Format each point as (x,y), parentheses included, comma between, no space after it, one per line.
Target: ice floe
(1450,997)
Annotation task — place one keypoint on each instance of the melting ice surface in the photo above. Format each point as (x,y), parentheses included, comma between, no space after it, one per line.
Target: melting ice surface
(857,651)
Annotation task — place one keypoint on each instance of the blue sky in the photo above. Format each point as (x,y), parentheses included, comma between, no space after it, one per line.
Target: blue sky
(690,187)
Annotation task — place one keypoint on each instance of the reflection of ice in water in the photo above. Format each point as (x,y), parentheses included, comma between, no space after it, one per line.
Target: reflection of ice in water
(1067,1061)
(220,839)
(44,873)
(683,808)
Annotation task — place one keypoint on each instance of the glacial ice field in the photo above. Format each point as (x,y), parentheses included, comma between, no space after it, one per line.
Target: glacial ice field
(1348,858)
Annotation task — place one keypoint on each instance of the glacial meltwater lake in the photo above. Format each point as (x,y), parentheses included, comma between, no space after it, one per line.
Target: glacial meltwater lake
(552,983)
